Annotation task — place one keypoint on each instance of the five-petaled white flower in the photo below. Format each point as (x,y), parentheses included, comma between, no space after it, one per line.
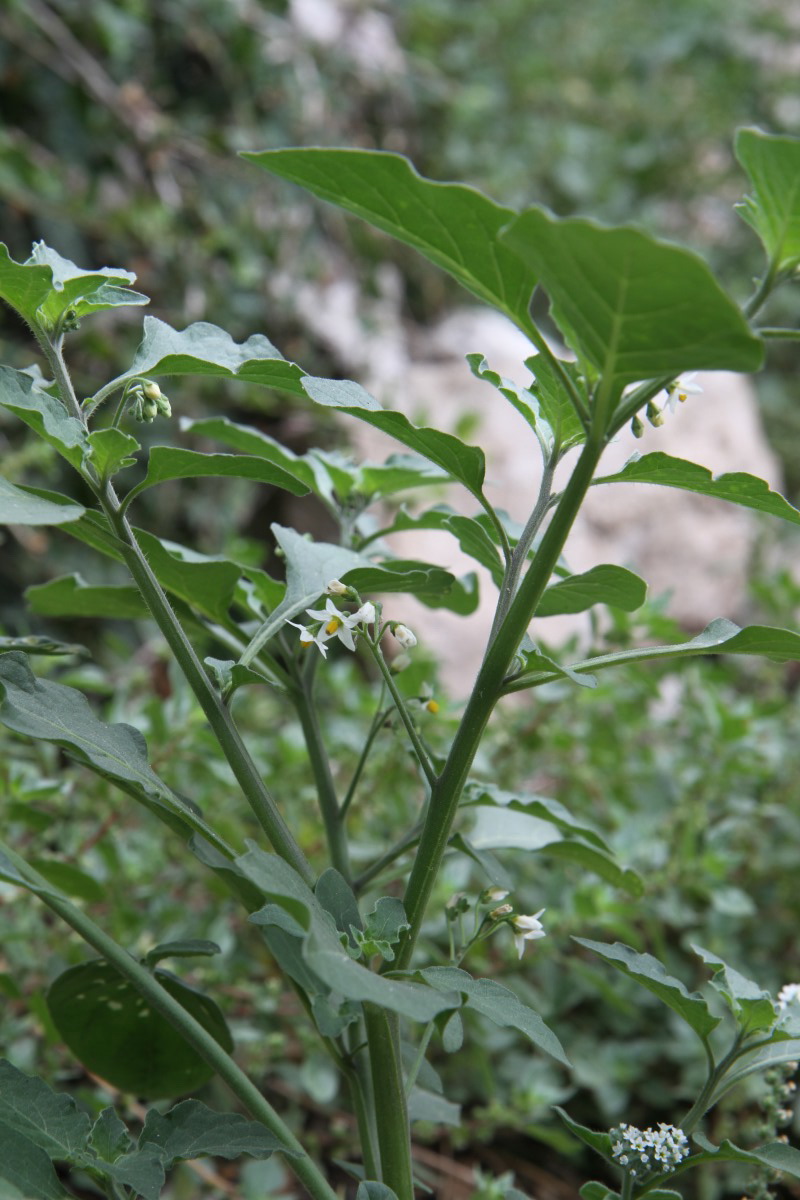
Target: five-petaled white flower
(680,389)
(335,624)
(308,638)
(527,929)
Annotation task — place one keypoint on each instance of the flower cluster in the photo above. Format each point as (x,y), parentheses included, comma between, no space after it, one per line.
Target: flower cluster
(330,622)
(640,1151)
(148,401)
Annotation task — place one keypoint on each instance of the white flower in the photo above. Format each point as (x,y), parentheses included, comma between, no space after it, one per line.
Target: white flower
(680,389)
(365,615)
(335,624)
(405,637)
(527,929)
(661,1148)
(495,894)
(789,994)
(307,638)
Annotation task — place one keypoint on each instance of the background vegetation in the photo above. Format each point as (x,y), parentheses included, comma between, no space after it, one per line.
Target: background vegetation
(121,125)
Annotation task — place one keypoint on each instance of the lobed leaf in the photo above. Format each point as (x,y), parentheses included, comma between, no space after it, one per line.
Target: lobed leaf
(46,285)
(632,307)
(45,415)
(48,1119)
(751,1005)
(651,974)
(773,166)
(26,1172)
(192,1130)
(453,226)
(736,487)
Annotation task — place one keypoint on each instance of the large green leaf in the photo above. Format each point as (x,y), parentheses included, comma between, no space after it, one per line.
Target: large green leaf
(51,712)
(192,1130)
(719,637)
(605,584)
(464,463)
(778,1156)
(736,487)
(632,307)
(112,1030)
(49,1119)
(546,405)
(652,974)
(552,811)
(454,226)
(46,285)
(470,532)
(44,414)
(204,349)
(512,829)
(42,645)
(174,462)
(26,1172)
(499,1004)
(72,596)
(773,166)
(322,947)
(18,507)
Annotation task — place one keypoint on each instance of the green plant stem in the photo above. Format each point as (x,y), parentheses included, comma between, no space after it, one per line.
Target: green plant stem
(359,1079)
(319,762)
(427,1034)
(53,352)
(519,557)
(704,1100)
(391,1111)
(776,331)
(405,716)
(377,724)
(558,368)
(765,286)
(447,789)
(199,1038)
(219,718)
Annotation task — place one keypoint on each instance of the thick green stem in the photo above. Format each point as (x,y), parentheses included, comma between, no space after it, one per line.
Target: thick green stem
(335,832)
(391,1112)
(219,718)
(199,1038)
(447,789)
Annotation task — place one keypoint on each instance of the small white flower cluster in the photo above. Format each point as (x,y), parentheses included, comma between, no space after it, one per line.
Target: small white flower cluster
(789,994)
(526,928)
(330,622)
(640,1151)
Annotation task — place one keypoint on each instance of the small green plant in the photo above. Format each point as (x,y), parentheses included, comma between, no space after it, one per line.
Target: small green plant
(344,928)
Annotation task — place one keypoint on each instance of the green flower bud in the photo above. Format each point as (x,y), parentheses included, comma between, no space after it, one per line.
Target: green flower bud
(637,427)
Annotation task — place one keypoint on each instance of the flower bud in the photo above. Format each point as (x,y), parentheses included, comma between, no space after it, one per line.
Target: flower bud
(400,662)
(366,614)
(503,910)
(336,588)
(404,636)
(637,427)
(151,390)
(654,415)
(494,895)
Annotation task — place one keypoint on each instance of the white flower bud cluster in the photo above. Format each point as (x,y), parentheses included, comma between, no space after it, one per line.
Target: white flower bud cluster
(640,1151)
(789,994)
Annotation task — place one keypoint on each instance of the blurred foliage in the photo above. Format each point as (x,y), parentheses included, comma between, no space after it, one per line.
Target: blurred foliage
(121,125)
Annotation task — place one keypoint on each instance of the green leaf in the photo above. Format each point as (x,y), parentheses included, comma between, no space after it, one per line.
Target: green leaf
(773,166)
(383,928)
(205,582)
(48,1119)
(46,285)
(470,533)
(756,1062)
(43,645)
(651,974)
(141,1170)
(778,1156)
(18,507)
(110,1138)
(252,441)
(454,226)
(112,1030)
(555,402)
(69,879)
(368,1189)
(536,806)
(337,897)
(430,1106)
(501,829)
(192,1130)
(52,712)
(322,948)
(27,1169)
(43,413)
(750,1004)
(599,1191)
(601,1142)
(204,349)
(112,451)
(183,948)
(536,664)
(174,462)
(499,1004)
(72,596)
(604,584)
(466,464)
(632,307)
(735,487)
